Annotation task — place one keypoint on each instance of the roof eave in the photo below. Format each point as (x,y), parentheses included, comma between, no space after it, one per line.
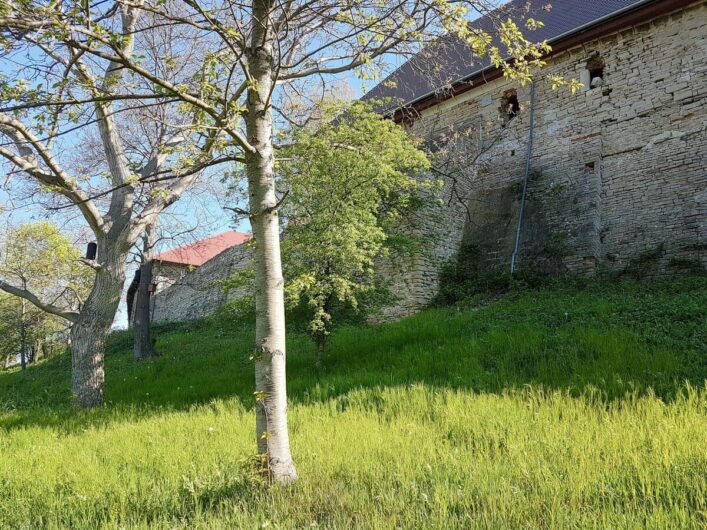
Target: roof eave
(638,13)
(170,262)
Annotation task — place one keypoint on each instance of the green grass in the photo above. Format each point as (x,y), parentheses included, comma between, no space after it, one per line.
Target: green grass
(562,408)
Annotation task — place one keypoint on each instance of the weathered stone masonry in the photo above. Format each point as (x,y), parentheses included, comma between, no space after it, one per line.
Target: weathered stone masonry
(199,293)
(619,171)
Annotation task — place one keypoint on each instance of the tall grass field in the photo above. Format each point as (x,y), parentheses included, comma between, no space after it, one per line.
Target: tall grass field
(568,407)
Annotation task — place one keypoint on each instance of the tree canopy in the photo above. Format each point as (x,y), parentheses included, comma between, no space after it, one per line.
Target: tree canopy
(38,257)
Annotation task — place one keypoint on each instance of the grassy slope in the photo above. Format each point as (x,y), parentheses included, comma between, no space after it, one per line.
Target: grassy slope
(553,409)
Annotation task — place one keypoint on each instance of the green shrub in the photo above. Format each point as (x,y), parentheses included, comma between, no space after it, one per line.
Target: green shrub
(464,279)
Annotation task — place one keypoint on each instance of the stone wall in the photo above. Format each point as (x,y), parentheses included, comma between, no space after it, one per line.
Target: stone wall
(166,274)
(618,171)
(199,292)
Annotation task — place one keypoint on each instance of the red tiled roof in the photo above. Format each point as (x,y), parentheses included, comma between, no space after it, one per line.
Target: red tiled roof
(198,253)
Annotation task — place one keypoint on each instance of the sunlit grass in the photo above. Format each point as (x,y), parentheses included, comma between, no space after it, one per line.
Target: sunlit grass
(563,408)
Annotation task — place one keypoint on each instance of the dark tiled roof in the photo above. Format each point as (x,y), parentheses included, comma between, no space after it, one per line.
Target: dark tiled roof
(449,60)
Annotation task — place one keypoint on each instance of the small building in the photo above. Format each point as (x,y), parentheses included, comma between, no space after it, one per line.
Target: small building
(189,278)
(172,265)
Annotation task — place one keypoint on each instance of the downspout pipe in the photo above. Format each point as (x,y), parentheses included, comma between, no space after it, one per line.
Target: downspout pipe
(529,156)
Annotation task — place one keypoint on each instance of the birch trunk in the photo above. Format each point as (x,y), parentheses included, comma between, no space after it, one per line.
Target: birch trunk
(89,332)
(270,382)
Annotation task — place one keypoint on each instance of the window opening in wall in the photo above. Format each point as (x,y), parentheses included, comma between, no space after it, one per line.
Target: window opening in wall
(510,107)
(595,65)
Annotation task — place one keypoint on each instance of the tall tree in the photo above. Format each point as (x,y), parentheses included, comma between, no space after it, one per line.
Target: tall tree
(143,347)
(263,55)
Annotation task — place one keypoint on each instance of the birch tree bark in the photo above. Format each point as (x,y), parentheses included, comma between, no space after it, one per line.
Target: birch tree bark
(269,358)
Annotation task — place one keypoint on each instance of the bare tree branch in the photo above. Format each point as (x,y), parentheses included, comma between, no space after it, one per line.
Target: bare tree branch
(29,147)
(71,316)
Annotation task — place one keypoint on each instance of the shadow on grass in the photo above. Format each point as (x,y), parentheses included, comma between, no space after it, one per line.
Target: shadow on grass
(608,340)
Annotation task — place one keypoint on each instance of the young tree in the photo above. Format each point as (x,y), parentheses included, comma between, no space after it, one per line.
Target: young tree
(262,54)
(14,324)
(41,259)
(347,181)
(11,342)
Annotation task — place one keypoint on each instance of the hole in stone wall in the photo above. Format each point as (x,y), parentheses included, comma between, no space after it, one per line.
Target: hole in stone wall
(590,261)
(596,77)
(589,167)
(595,65)
(510,107)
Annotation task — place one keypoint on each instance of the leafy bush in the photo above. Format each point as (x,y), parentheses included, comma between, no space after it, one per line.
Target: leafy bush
(463,280)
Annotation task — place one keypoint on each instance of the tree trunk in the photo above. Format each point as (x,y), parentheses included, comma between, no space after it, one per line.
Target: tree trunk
(89,332)
(142,346)
(23,329)
(271,389)
(321,335)
(130,298)
(319,345)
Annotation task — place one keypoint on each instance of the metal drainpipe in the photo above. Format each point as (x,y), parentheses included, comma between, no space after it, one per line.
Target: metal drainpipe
(514,256)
